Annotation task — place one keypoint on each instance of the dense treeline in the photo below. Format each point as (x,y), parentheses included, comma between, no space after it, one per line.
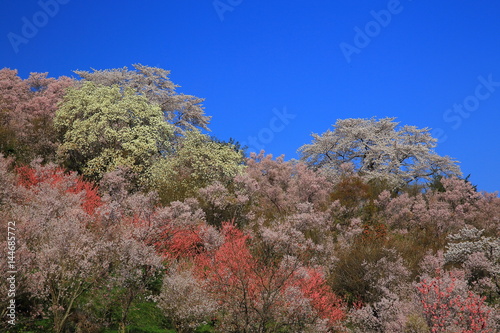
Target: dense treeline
(128,218)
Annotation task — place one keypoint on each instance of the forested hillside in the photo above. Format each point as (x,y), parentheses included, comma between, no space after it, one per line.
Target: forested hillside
(120,214)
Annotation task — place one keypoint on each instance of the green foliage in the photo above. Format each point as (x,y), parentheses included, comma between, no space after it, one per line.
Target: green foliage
(348,277)
(205,329)
(9,145)
(197,163)
(101,309)
(436,185)
(102,128)
(40,325)
(147,317)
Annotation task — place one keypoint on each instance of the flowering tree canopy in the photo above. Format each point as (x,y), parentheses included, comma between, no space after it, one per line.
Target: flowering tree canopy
(378,149)
(27,109)
(197,162)
(104,127)
(183,111)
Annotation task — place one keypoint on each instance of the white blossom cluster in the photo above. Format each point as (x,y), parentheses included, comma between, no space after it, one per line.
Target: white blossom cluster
(469,241)
(378,149)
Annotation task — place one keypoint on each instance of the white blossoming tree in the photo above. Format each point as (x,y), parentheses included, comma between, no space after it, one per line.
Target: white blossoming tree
(184,112)
(378,149)
(102,128)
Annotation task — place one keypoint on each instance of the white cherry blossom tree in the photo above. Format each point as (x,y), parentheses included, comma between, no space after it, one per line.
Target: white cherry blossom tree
(378,149)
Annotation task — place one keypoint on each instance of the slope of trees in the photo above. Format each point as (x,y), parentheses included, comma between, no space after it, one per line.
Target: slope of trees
(129,219)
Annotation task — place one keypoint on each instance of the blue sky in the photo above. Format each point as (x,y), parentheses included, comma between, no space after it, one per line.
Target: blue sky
(276,71)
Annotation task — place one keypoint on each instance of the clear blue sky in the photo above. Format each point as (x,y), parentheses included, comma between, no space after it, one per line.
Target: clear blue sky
(311,62)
